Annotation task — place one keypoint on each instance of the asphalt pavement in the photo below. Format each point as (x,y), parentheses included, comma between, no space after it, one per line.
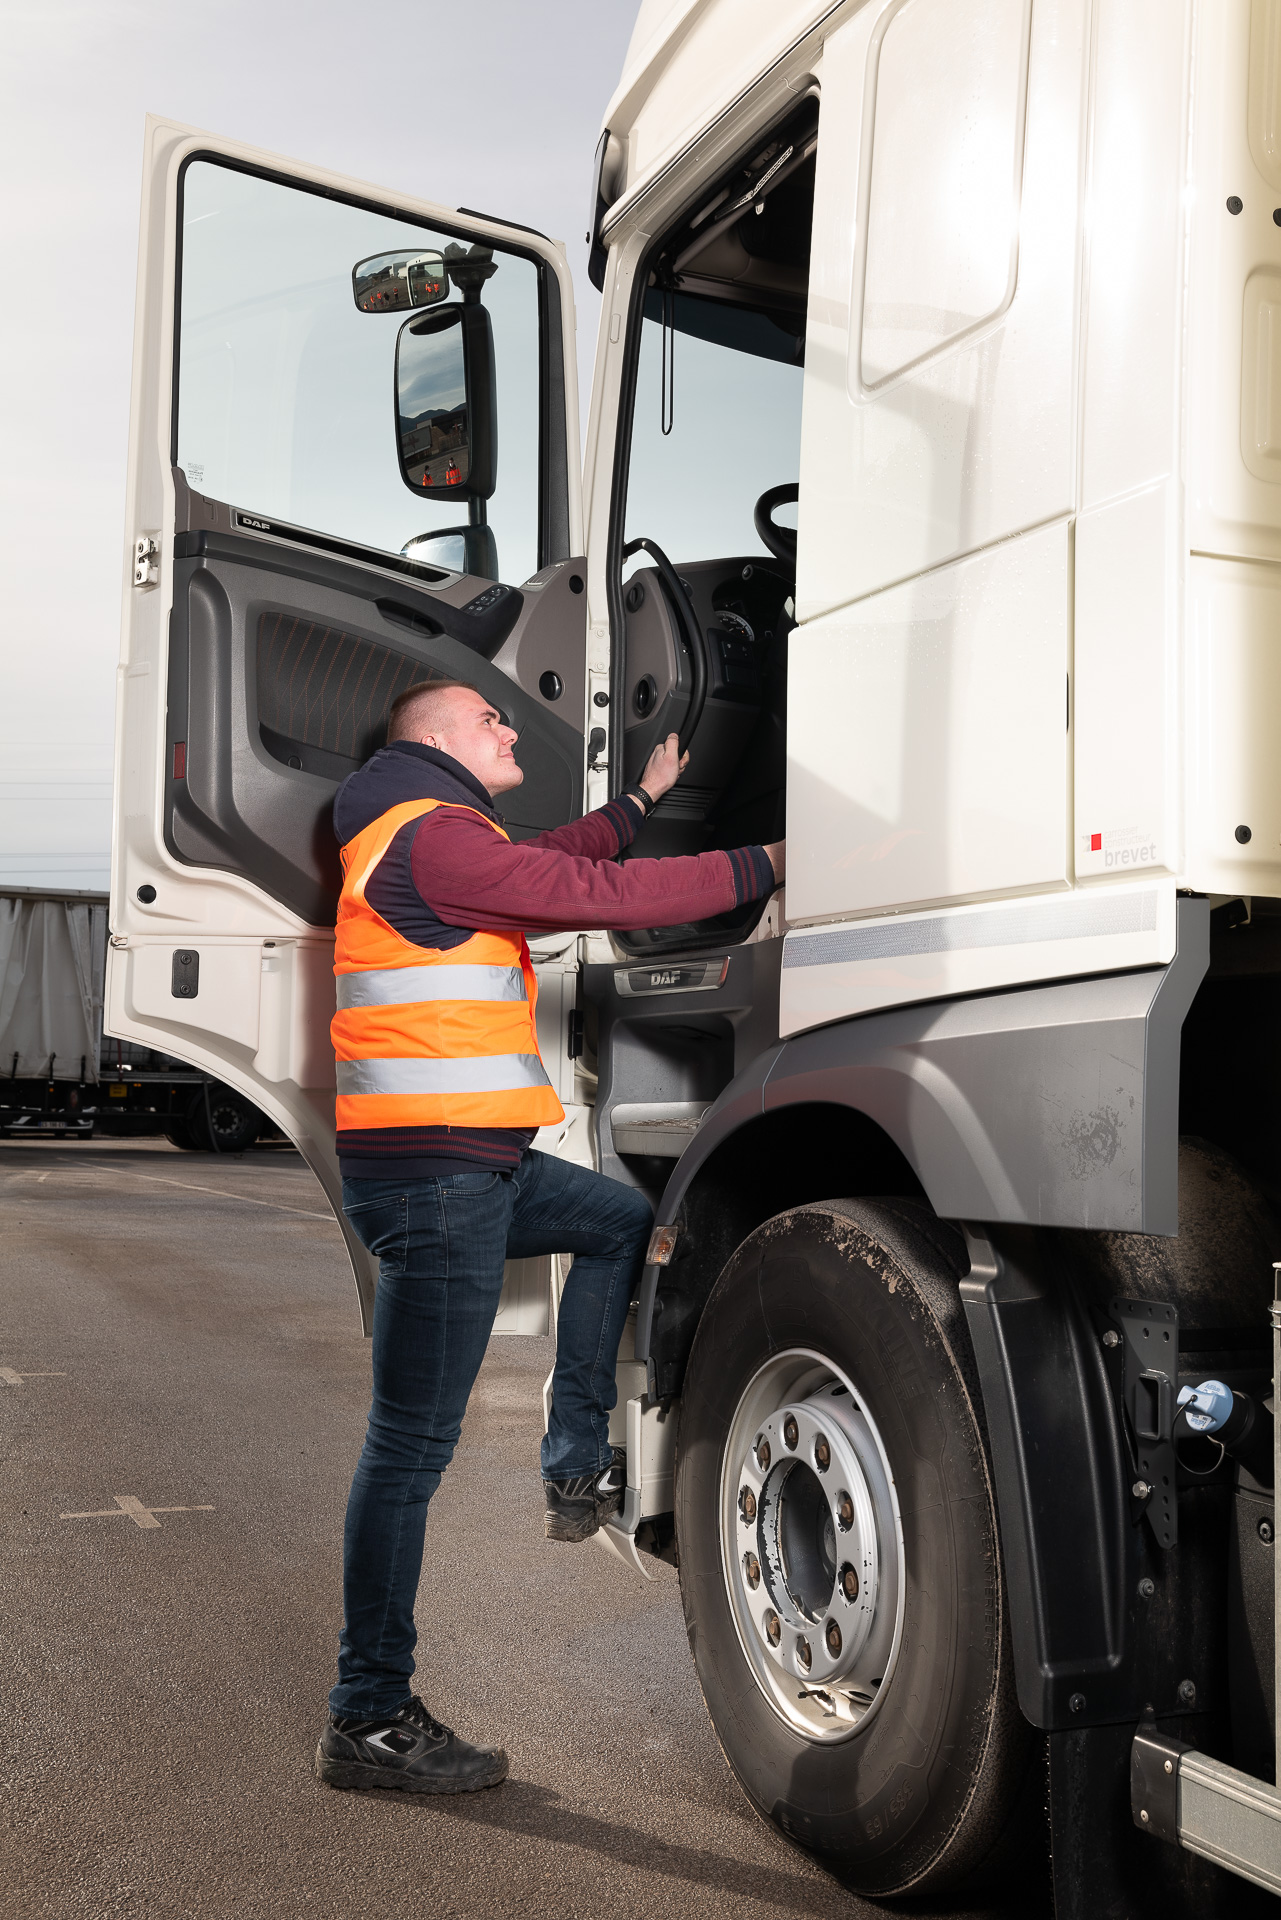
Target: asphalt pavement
(183,1386)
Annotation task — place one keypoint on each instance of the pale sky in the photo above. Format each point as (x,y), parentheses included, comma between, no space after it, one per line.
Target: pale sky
(341,85)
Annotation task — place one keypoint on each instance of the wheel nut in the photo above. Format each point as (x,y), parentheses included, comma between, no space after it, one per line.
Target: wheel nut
(849,1582)
(790,1432)
(762,1455)
(773,1631)
(822,1454)
(747,1505)
(845,1511)
(833,1638)
(804,1658)
(752,1569)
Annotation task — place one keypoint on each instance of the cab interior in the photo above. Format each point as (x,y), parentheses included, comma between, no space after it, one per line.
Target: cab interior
(703,542)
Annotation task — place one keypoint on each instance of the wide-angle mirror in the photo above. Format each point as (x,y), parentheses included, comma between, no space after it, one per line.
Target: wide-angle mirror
(470,549)
(397,282)
(445,414)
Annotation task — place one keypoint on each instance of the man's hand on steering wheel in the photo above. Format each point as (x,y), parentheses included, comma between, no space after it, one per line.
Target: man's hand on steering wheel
(663,768)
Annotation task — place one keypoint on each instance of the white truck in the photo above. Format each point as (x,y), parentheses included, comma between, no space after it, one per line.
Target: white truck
(964,1151)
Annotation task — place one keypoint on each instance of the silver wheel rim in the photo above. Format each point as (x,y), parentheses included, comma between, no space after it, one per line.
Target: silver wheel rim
(812,1545)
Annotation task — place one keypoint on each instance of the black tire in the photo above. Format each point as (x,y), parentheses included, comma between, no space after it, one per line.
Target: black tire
(177,1135)
(918,1797)
(220,1121)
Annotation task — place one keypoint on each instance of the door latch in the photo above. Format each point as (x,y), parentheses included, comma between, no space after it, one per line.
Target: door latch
(146,560)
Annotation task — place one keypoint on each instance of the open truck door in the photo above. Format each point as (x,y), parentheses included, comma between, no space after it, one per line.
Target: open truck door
(352,468)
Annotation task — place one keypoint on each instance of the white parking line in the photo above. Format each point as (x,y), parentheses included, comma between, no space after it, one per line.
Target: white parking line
(12,1379)
(129,1507)
(218,1193)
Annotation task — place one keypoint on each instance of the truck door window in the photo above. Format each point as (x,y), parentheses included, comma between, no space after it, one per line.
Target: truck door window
(945,152)
(285,389)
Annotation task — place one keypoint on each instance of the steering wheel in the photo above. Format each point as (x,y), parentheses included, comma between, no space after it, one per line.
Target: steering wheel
(781,541)
(687,619)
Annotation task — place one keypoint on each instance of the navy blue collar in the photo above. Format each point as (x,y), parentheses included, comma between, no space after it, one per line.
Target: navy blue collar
(406,770)
(447,764)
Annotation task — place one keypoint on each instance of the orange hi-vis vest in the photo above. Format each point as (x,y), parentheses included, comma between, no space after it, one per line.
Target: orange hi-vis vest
(425,1037)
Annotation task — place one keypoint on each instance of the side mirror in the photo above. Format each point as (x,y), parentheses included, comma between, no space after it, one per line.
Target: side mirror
(446,419)
(461,549)
(395,282)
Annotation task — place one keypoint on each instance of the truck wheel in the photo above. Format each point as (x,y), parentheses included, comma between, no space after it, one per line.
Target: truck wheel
(226,1124)
(839,1559)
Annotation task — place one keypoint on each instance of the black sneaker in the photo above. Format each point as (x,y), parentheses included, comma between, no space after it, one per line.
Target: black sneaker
(411,1753)
(578,1508)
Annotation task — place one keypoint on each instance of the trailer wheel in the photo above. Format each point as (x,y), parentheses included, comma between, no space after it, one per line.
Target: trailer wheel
(839,1559)
(178,1134)
(221,1121)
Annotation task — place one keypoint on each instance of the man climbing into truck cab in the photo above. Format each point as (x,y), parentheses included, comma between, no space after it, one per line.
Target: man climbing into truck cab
(440,1093)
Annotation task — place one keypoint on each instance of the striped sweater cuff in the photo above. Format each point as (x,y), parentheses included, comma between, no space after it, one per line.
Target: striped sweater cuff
(624,818)
(753,874)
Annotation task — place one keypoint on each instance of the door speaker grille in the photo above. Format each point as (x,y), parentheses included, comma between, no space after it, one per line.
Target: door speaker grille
(324,695)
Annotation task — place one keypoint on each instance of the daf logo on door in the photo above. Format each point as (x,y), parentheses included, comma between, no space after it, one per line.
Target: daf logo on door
(695,977)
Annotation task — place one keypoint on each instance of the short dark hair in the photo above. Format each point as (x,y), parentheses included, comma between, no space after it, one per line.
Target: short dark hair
(406,708)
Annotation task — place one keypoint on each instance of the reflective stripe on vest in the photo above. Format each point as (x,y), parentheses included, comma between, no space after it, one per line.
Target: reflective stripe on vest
(396,986)
(483,1073)
(431,1037)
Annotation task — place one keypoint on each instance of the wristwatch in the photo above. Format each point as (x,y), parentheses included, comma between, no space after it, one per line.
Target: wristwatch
(640,794)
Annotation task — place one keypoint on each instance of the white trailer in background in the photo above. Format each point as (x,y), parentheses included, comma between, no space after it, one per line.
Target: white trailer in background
(964,1151)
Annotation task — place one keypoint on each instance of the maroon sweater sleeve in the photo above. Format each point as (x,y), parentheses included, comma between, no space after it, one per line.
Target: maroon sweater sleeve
(597,836)
(471,877)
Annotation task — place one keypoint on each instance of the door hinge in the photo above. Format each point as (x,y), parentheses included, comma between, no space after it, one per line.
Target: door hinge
(146,560)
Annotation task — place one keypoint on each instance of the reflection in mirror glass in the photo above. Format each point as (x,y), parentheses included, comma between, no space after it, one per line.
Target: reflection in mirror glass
(440,550)
(397,282)
(470,549)
(431,403)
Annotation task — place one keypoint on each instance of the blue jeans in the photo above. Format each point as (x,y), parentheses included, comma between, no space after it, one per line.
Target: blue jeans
(441,1245)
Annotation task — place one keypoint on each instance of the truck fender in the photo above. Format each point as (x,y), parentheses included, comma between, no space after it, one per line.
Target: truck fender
(1052,1105)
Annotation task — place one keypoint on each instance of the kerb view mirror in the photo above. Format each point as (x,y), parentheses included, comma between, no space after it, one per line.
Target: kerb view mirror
(469,549)
(446,420)
(396,282)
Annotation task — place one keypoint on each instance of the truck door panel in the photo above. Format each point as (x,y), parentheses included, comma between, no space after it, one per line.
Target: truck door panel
(281,672)
(289,570)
